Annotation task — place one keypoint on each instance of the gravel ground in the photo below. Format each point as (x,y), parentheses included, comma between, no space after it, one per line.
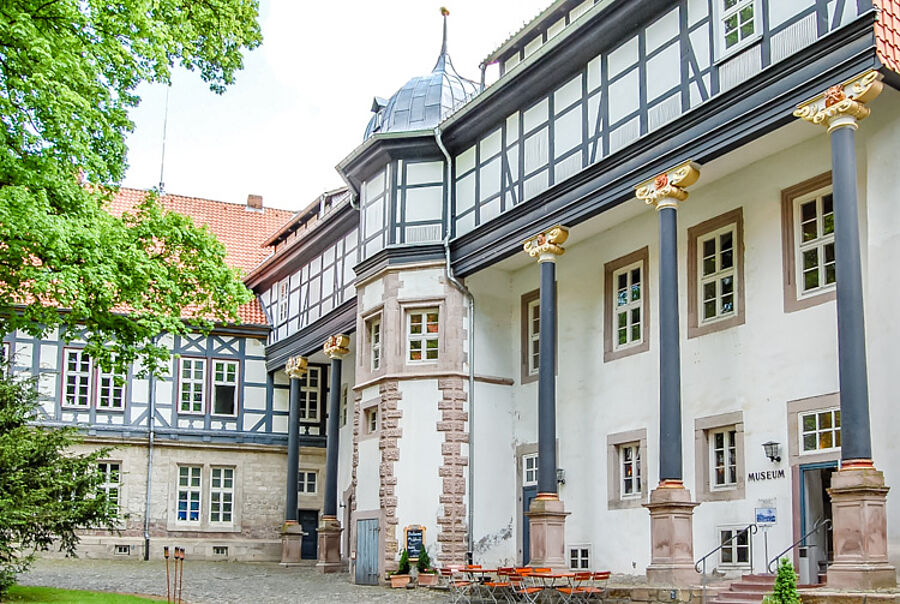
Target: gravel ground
(218,582)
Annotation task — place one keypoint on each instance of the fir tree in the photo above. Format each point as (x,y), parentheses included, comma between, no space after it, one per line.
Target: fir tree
(785,590)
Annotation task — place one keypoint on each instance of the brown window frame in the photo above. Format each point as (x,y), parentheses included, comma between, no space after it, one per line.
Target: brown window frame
(694,233)
(609,327)
(527,299)
(792,301)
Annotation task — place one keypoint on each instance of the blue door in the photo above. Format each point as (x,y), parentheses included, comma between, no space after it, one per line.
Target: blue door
(309,522)
(528,493)
(367,552)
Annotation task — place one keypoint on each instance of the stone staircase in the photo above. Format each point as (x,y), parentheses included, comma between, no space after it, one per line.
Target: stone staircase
(749,590)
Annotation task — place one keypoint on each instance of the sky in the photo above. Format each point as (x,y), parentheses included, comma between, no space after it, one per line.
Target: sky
(303,99)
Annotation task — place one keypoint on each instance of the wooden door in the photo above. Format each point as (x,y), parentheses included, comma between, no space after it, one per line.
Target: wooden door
(367,552)
(309,522)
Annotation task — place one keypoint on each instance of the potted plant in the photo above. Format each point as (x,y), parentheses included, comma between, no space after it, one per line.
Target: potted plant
(427,576)
(400,577)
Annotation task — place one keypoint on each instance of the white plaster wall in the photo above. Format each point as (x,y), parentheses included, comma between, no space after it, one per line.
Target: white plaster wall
(421,284)
(367,482)
(419,486)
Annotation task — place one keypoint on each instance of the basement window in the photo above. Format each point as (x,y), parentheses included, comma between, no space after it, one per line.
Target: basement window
(123,550)
(220,550)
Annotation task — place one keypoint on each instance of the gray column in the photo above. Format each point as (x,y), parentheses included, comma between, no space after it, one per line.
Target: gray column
(293,465)
(333,442)
(855,435)
(669,349)
(547,381)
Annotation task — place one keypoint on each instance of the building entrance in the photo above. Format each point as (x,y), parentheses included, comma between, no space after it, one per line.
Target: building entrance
(309,522)
(815,553)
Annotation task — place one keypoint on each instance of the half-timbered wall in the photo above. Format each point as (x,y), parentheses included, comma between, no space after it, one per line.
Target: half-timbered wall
(661,71)
(374,211)
(419,206)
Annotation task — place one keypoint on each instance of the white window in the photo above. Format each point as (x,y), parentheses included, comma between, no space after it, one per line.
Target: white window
(534,336)
(111,390)
(629,304)
(529,470)
(111,483)
(310,395)
(193,386)
(283,301)
(371,416)
(225,380)
(306,482)
(735,551)
(189,494)
(580,557)
(814,228)
(738,23)
(717,279)
(422,335)
(820,430)
(630,468)
(375,343)
(723,458)
(77,379)
(221,494)
(344,392)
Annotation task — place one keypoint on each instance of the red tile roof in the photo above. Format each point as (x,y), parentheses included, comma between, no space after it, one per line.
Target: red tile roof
(887,33)
(241,230)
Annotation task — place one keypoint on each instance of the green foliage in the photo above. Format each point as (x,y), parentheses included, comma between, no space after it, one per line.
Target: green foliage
(403,565)
(68,74)
(785,591)
(423,564)
(46,492)
(44,595)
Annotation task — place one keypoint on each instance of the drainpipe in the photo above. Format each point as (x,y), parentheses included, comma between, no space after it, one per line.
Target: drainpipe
(354,194)
(150,441)
(448,268)
(483,70)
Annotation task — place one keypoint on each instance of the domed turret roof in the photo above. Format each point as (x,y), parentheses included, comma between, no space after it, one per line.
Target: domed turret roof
(425,100)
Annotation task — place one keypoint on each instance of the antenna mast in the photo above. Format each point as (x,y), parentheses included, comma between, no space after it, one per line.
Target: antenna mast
(162,161)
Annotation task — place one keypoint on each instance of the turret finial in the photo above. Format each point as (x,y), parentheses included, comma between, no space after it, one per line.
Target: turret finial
(445,12)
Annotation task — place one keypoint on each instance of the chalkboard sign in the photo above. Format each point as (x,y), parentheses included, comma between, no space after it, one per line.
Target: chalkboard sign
(415,540)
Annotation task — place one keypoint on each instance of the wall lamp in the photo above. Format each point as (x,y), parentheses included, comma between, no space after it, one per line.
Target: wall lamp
(560,476)
(773,450)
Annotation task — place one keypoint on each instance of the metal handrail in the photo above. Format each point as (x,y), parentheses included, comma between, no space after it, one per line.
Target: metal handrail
(700,566)
(750,527)
(815,529)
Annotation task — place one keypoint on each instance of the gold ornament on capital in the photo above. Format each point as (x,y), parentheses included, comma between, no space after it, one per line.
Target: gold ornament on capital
(296,367)
(547,244)
(842,104)
(337,346)
(668,188)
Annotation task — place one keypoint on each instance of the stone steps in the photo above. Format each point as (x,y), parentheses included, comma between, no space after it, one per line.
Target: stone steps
(749,590)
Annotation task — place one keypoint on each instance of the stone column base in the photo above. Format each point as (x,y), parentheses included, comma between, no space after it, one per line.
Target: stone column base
(291,540)
(858,496)
(547,526)
(671,536)
(329,546)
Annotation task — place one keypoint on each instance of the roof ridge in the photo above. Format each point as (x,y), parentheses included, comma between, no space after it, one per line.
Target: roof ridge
(206,199)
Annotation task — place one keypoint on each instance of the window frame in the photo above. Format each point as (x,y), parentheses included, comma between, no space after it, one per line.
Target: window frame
(189,489)
(697,233)
(615,480)
(423,337)
(284,298)
(717,276)
(222,491)
(368,427)
(734,546)
(306,390)
(375,342)
(636,463)
(529,299)
(202,381)
(704,429)
(214,382)
(582,552)
(836,430)
(793,300)
(611,351)
(95,376)
(86,374)
(729,444)
(721,14)
(108,485)
(526,458)
(303,485)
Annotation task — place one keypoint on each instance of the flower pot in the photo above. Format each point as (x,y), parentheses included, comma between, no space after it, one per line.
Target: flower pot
(399,580)
(428,579)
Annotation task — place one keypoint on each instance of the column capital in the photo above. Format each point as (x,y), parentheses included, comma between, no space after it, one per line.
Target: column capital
(296,367)
(670,187)
(547,245)
(337,346)
(842,105)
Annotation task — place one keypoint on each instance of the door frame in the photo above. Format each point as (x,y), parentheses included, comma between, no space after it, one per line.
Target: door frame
(803,468)
(355,517)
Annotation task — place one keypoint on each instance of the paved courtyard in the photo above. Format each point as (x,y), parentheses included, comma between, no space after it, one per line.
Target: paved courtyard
(219,582)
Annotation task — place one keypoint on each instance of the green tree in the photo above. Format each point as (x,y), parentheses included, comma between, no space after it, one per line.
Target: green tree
(785,590)
(68,74)
(46,492)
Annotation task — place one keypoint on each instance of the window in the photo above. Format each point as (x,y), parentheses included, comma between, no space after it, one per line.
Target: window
(111,483)
(283,301)
(344,391)
(820,430)
(225,387)
(735,551)
(807,226)
(719,457)
(630,460)
(738,22)
(310,395)
(626,306)
(580,557)
(723,458)
(531,332)
(306,482)
(193,385)
(529,470)
(83,381)
(422,335)
(371,416)
(221,494)
(78,379)
(716,274)
(189,493)
(375,344)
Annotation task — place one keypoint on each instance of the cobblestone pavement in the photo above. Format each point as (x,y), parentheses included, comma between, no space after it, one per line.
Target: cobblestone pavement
(218,582)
